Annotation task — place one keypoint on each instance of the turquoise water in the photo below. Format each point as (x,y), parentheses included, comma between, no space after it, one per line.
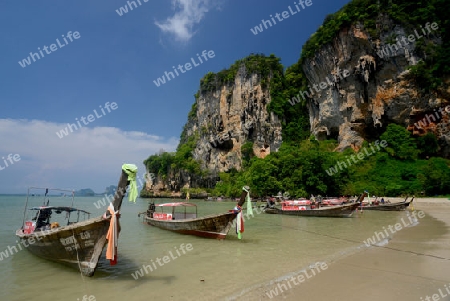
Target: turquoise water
(272,247)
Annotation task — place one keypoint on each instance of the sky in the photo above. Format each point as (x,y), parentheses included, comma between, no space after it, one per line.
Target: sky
(77,92)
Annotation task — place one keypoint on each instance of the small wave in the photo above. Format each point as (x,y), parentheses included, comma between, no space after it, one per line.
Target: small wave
(383,242)
(267,284)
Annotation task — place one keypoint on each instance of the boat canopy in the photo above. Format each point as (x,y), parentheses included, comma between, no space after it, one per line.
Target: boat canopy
(172,213)
(176,204)
(68,209)
(296,203)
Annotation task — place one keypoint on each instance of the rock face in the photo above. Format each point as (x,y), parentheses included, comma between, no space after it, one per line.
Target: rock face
(377,90)
(224,117)
(231,116)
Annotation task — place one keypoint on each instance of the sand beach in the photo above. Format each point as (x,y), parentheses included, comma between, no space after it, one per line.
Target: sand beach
(413,265)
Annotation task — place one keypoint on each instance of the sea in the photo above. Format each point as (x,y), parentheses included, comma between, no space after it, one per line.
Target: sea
(272,249)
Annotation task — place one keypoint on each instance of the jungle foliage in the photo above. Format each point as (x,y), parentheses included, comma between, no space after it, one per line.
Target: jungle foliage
(303,168)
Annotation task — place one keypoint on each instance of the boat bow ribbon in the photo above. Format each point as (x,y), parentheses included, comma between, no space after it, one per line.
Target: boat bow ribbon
(111,236)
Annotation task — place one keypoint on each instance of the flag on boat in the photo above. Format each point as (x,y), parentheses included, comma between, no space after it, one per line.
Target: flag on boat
(131,170)
(238,210)
(249,205)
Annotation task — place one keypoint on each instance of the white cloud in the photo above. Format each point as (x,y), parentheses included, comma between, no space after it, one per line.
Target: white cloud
(90,157)
(181,24)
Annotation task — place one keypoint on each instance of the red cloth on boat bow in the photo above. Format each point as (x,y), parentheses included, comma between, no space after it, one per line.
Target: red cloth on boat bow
(112,236)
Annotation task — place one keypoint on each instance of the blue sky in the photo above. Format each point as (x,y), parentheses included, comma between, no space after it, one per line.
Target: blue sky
(115,60)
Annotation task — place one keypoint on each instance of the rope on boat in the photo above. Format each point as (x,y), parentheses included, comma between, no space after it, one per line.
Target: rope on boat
(78,258)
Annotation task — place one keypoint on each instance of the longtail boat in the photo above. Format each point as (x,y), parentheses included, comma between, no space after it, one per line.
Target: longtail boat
(66,239)
(400,206)
(303,208)
(168,216)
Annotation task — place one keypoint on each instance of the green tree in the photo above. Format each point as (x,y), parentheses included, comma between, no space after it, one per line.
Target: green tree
(400,143)
(428,145)
(436,177)
(263,177)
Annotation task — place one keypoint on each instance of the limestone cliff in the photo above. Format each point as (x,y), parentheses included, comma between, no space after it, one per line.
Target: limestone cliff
(230,115)
(378,90)
(230,111)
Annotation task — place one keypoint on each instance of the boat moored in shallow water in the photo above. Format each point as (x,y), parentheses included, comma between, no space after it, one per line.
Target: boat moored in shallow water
(63,234)
(181,217)
(305,208)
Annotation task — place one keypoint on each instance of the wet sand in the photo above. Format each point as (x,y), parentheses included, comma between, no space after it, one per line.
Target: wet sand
(414,265)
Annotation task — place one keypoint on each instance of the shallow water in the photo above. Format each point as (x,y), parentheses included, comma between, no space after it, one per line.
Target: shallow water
(273,247)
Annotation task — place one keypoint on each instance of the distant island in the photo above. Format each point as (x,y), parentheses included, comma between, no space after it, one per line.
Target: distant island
(89,192)
(85,192)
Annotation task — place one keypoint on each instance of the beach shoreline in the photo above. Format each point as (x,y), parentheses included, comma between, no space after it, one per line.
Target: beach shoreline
(414,264)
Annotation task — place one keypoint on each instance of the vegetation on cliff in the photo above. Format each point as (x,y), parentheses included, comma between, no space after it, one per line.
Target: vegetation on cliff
(302,165)
(410,14)
(161,164)
(264,67)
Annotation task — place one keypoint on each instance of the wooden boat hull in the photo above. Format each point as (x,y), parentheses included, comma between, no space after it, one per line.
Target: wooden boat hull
(388,207)
(79,245)
(329,211)
(211,226)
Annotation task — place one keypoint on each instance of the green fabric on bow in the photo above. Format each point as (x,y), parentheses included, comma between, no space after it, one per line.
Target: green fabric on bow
(131,170)
(249,203)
